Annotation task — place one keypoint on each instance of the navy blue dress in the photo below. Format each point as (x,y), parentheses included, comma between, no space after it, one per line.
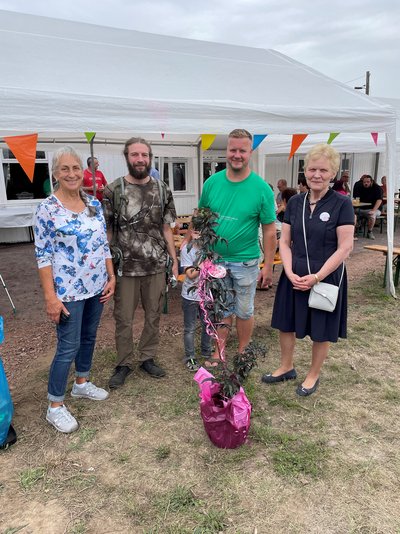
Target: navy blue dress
(291,312)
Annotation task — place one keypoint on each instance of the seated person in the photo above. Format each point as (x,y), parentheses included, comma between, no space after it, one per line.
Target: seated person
(372,194)
(286,195)
(359,185)
(344,183)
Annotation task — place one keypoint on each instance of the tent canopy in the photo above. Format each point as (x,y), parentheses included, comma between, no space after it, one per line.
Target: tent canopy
(62,76)
(69,77)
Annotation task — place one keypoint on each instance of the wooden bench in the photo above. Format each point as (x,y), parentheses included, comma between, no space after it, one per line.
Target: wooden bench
(395,262)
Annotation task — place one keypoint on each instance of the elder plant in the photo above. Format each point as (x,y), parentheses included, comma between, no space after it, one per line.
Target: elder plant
(215,297)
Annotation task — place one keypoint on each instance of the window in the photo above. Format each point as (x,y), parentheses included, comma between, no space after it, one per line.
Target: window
(300,173)
(175,174)
(211,166)
(17,184)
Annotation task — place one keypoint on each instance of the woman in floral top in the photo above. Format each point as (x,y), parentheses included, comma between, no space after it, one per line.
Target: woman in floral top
(77,277)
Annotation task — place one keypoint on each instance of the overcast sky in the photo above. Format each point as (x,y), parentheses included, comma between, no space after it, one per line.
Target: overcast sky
(342,39)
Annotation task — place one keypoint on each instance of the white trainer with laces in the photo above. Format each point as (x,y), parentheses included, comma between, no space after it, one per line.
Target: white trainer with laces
(61,419)
(88,391)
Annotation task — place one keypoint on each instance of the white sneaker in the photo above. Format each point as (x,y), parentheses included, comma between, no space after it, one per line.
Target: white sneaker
(370,235)
(61,419)
(89,391)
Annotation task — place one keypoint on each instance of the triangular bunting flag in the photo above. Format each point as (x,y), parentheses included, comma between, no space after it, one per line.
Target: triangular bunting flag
(332,136)
(375,137)
(162,135)
(90,136)
(257,140)
(207,140)
(24,149)
(297,139)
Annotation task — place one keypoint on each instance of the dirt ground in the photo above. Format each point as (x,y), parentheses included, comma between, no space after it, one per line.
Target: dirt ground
(29,336)
(27,352)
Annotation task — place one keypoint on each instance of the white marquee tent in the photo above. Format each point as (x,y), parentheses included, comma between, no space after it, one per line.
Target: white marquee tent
(61,78)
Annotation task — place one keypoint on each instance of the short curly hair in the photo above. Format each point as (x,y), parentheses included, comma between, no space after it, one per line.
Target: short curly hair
(323,150)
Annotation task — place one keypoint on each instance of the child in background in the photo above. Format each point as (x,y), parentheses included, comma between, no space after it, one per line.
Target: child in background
(191,307)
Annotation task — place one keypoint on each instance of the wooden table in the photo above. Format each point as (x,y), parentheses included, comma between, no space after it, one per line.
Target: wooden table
(395,261)
(359,204)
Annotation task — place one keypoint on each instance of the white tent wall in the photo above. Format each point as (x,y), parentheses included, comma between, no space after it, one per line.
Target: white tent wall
(40,90)
(19,213)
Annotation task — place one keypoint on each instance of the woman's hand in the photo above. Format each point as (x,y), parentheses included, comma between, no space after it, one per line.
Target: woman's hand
(108,291)
(54,308)
(303,283)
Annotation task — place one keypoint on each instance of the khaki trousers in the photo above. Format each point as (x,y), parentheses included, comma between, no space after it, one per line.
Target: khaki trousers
(151,290)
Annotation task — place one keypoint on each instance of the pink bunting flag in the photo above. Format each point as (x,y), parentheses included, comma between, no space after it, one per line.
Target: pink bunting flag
(375,137)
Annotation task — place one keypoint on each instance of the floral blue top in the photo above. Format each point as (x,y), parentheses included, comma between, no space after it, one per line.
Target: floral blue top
(75,246)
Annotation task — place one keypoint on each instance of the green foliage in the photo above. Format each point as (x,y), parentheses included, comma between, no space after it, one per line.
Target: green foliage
(205,221)
(243,363)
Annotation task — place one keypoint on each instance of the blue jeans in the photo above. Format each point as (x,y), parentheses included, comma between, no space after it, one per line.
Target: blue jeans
(242,278)
(76,338)
(191,311)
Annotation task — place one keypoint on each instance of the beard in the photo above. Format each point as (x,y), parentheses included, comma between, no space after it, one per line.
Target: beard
(135,173)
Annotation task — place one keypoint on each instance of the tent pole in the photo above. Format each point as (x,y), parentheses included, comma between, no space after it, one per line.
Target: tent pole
(92,166)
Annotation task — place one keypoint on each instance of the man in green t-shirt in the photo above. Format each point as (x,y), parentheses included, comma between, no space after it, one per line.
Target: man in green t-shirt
(243,201)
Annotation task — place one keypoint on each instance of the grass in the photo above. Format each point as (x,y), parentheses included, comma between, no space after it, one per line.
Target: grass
(142,463)
(30,477)
(162,452)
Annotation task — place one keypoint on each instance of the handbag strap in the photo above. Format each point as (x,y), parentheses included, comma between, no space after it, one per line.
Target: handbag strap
(305,240)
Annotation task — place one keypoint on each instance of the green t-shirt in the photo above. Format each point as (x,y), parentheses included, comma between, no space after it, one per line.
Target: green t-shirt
(242,207)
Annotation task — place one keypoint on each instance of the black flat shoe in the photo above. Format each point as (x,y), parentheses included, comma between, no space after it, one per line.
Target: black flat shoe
(304,392)
(289,375)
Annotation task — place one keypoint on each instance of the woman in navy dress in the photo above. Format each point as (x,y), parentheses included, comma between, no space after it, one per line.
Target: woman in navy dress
(329,226)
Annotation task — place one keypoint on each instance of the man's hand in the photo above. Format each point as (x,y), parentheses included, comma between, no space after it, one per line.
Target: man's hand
(265,276)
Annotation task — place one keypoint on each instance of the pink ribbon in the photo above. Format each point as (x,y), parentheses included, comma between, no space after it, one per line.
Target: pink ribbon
(206,301)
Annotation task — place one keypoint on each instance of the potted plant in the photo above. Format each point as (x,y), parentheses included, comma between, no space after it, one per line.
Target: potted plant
(224,407)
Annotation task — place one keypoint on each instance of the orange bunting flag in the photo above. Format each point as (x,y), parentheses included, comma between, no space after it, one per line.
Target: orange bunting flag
(375,137)
(207,140)
(332,136)
(24,149)
(297,139)
(90,136)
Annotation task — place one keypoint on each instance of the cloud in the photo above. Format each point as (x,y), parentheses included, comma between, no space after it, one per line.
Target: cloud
(342,39)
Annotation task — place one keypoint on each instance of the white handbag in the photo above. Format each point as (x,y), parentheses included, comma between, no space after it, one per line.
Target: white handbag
(323,296)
